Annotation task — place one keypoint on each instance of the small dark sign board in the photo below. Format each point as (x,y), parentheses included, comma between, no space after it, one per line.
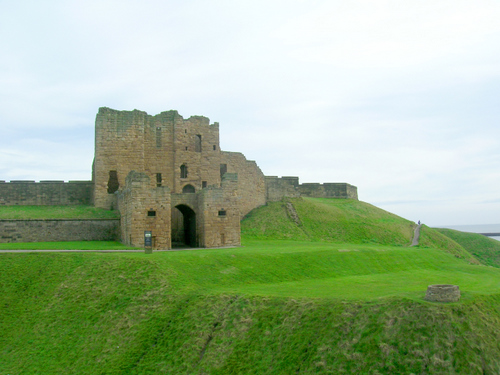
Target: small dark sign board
(148,238)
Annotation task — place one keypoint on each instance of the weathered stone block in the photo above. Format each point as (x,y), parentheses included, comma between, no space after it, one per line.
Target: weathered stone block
(442,293)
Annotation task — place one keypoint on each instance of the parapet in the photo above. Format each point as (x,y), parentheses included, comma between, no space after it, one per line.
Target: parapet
(46,193)
(279,188)
(289,187)
(329,190)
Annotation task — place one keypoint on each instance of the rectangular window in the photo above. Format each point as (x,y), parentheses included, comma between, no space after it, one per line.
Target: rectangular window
(158,179)
(223,170)
(203,184)
(113,184)
(197,143)
(151,213)
(222,212)
(184,171)
(158,137)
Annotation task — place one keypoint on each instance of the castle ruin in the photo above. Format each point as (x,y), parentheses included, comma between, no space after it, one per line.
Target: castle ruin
(171,181)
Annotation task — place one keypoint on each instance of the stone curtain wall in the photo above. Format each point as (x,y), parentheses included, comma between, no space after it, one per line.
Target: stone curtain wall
(59,230)
(45,193)
(289,187)
(251,181)
(328,190)
(279,188)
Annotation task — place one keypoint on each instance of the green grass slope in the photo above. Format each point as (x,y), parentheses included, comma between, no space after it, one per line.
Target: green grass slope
(339,293)
(273,307)
(55,212)
(341,221)
(487,250)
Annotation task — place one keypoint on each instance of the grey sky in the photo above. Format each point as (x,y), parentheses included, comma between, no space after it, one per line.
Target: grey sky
(398,98)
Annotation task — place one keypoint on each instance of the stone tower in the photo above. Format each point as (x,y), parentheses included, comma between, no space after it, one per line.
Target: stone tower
(167,175)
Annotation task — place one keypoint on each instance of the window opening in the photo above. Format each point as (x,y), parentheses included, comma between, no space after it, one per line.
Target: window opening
(188,189)
(223,170)
(215,147)
(158,137)
(222,212)
(158,179)
(203,184)
(197,143)
(113,184)
(151,213)
(184,171)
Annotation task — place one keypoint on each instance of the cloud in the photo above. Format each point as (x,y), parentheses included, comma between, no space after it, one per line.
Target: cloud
(398,98)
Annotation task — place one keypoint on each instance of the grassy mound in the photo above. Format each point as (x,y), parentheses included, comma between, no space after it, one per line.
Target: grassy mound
(55,212)
(341,221)
(338,292)
(195,312)
(487,250)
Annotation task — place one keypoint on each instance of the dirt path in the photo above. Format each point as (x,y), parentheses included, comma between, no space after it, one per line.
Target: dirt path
(416,235)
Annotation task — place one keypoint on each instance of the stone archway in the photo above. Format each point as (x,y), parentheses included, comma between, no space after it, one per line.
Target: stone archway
(184,227)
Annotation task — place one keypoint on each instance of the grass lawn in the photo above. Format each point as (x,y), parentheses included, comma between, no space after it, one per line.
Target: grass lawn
(302,269)
(342,293)
(55,212)
(273,307)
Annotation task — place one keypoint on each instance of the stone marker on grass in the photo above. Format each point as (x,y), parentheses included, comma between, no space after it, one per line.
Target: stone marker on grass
(442,293)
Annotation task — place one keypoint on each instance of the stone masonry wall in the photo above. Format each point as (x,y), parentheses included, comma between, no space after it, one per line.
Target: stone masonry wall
(328,190)
(215,209)
(59,230)
(184,154)
(289,187)
(156,145)
(251,181)
(137,201)
(279,188)
(221,214)
(46,193)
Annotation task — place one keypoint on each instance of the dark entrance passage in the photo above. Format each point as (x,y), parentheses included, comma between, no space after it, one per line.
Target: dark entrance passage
(183,227)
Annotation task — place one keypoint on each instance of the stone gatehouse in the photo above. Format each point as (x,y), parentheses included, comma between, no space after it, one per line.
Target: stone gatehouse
(169,178)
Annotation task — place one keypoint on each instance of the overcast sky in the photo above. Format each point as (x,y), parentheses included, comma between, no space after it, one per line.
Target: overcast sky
(400,98)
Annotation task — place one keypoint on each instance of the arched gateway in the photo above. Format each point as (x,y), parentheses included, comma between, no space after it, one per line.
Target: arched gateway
(184,227)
